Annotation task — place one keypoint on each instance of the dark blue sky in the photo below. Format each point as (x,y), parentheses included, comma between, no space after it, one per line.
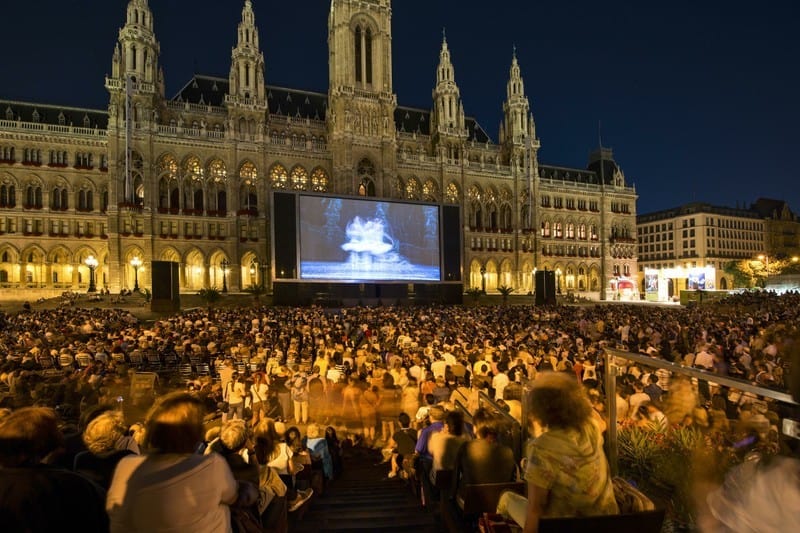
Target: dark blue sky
(699,100)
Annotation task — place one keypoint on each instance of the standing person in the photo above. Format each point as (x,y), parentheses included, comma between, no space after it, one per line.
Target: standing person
(567,471)
(300,398)
(36,496)
(234,394)
(259,397)
(388,407)
(279,383)
(368,407)
(172,488)
(351,401)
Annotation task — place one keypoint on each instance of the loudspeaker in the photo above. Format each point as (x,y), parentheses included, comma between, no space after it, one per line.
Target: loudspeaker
(284,227)
(545,287)
(451,243)
(165,286)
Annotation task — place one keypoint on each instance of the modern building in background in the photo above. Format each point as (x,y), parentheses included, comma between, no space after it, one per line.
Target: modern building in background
(688,247)
(189,179)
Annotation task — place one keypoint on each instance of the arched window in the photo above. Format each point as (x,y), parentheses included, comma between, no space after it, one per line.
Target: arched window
(452,196)
(366,175)
(362,42)
(278,177)
(8,195)
(368,55)
(319,180)
(299,178)
(357,44)
(412,189)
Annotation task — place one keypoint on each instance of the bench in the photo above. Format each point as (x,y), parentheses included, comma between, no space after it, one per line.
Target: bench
(483,498)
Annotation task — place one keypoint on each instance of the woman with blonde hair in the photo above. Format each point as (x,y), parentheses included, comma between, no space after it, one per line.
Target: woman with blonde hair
(172,488)
(567,471)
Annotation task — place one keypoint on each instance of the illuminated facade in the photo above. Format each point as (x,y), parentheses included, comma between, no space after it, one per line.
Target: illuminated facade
(696,236)
(188,179)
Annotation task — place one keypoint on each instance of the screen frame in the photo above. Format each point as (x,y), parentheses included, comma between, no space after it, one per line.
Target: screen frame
(371,199)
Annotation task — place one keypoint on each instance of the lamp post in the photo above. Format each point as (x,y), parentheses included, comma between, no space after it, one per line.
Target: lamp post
(224,264)
(558,281)
(483,280)
(253,270)
(136,263)
(92,263)
(764,258)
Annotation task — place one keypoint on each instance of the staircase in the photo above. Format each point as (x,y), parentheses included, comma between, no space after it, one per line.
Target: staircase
(361,499)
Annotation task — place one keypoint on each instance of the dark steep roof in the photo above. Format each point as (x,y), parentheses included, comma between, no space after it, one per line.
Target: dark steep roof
(770,208)
(211,90)
(575,175)
(53,114)
(413,120)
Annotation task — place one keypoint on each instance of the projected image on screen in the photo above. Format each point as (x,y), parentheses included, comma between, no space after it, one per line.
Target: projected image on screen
(344,239)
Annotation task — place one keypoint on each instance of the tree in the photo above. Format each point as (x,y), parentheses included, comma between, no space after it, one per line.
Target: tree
(505,291)
(475,294)
(742,272)
(257,291)
(210,295)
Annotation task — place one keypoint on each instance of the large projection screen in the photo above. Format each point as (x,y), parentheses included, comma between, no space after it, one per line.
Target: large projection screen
(345,239)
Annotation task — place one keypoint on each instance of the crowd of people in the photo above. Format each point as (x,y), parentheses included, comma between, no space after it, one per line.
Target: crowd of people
(295,385)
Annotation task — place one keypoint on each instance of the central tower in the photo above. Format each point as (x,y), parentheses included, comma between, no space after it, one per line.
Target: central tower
(361,99)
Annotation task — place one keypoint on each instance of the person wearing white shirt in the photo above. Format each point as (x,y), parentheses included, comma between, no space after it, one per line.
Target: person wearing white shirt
(234,394)
(500,381)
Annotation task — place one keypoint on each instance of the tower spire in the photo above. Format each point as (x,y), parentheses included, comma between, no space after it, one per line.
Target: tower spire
(247,63)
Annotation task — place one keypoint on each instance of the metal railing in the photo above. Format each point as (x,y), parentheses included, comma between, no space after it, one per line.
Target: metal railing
(611,373)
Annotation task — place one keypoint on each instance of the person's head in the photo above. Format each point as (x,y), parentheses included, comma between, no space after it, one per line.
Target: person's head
(454,422)
(485,424)
(330,433)
(28,435)
(104,431)
(557,400)
(313,431)
(174,424)
(266,439)
(436,413)
(233,434)
(404,420)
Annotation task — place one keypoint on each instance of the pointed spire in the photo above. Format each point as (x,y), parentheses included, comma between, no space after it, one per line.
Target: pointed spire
(247,62)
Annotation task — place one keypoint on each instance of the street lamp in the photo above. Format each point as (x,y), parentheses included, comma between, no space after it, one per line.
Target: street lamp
(253,270)
(92,263)
(764,258)
(558,281)
(136,263)
(224,264)
(483,280)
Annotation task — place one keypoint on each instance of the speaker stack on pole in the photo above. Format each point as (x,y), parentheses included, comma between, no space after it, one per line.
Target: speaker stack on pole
(545,287)
(166,287)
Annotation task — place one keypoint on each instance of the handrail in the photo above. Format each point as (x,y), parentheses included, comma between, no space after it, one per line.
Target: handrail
(612,442)
(461,407)
(482,396)
(744,386)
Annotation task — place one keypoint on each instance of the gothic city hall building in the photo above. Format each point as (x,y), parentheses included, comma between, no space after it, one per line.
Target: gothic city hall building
(190,179)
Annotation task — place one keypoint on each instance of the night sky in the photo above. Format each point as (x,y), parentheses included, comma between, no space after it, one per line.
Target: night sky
(698,100)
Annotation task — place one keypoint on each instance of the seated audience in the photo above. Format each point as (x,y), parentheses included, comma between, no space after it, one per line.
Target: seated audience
(171,487)
(35,496)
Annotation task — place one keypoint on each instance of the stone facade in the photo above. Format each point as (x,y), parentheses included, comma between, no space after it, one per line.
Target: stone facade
(189,179)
